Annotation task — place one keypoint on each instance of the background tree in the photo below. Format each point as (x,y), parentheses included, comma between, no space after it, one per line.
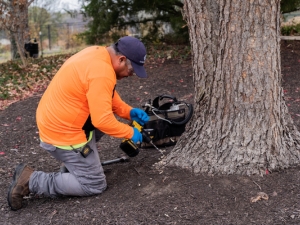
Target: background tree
(14,18)
(241,123)
(109,17)
(44,21)
(39,18)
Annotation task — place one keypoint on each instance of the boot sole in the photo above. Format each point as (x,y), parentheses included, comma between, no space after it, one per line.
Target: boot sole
(17,173)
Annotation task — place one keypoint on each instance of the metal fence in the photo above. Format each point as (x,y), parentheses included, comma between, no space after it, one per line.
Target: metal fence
(60,37)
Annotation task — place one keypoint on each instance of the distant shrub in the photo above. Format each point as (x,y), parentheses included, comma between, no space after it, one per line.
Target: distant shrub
(288,30)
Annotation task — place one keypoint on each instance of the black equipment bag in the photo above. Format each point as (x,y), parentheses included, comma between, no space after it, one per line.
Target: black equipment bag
(168,118)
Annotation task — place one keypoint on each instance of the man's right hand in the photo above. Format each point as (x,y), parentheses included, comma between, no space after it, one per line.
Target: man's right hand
(137,136)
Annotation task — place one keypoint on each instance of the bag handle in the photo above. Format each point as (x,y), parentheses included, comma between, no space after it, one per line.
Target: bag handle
(155,102)
(187,118)
(155,107)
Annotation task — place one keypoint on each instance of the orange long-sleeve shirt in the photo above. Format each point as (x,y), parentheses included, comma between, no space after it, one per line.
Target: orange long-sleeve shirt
(84,85)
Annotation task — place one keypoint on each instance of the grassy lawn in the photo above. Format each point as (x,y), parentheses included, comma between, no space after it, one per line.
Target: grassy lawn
(4,56)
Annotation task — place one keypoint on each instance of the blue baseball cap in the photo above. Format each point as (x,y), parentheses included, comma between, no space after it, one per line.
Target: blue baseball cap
(135,51)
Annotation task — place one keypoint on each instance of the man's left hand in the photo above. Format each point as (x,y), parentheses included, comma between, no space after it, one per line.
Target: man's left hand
(139,116)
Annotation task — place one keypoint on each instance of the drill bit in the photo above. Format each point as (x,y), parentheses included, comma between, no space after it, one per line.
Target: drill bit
(156,147)
(147,139)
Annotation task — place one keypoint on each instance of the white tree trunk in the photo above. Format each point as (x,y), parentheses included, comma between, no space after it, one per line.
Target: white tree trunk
(241,124)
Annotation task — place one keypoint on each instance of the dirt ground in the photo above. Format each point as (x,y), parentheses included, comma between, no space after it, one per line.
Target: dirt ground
(139,194)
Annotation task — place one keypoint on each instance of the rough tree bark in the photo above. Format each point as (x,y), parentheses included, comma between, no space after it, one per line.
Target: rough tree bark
(241,124)
(21,34)
(14,18)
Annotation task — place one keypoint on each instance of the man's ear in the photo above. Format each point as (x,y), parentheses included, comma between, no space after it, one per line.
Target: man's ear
(122,58)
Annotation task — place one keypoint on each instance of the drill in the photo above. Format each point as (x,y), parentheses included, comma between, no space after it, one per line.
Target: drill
(131,149)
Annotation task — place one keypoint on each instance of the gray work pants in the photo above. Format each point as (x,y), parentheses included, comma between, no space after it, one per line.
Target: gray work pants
(85,177)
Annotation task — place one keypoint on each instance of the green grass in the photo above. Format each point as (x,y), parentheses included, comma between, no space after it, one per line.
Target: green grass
(4,56)
(290,30)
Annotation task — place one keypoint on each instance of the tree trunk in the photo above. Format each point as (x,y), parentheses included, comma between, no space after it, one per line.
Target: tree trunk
(17,25)
(241,124)
(13,47)
(21,50)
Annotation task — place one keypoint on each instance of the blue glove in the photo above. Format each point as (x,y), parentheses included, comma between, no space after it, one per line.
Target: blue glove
(139,116)
(137,136)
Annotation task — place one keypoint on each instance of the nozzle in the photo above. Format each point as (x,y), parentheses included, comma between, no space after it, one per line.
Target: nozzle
(148,140)
(146,137)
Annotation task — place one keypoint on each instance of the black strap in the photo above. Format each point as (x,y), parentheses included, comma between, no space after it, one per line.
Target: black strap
(114,91)
(156,101)
(88,127)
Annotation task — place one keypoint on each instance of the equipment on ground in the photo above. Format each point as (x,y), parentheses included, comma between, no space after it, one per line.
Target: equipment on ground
(64,169)
(168,118)
(117,160)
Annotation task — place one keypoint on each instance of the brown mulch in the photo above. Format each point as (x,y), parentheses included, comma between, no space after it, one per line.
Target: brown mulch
(139,194)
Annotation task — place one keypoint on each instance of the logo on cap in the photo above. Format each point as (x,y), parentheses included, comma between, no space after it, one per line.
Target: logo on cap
(143,60)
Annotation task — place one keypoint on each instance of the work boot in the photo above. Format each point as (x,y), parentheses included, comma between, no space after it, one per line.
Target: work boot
(19,187)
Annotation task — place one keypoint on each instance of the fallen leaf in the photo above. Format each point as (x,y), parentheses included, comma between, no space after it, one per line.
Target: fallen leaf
(52,214)
(259,196)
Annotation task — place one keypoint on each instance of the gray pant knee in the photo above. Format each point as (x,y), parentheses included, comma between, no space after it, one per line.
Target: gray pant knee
(94,187)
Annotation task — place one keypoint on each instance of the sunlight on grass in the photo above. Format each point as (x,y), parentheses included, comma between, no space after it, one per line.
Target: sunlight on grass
(5,56)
